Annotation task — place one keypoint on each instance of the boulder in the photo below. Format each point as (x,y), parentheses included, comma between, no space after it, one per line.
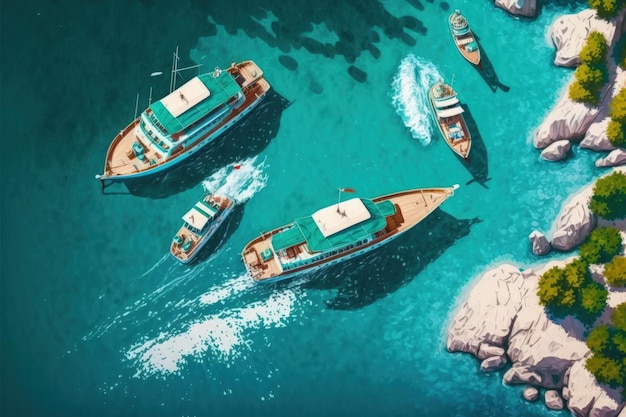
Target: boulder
(574,223)
(518,7)
(545,350)
(587,398)
(553,400)
(531,394)
(493,363)
(567,120)
(596,139)
(615,158)
(487,351)
(521,375)
(556,150)
(488,313)
(539,243)
(569,34)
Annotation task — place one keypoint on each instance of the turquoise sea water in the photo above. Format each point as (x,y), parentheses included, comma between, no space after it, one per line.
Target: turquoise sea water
(98,319)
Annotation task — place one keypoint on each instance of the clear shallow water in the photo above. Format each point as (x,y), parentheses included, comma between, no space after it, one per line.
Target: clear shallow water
(97,318)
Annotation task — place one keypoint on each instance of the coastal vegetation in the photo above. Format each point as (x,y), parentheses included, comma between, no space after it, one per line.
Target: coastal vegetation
(608,344)
(601,245)
(572,291)
(615,271)
(616,130)
(591,75)
(609,196)
(607,8)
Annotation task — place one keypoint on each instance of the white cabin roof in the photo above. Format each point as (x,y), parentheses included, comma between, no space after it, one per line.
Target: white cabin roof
(185,97)
(446,102)
(450,112)
(195,218)
(338,217)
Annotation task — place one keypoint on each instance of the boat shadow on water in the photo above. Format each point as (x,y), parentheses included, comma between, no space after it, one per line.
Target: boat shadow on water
(362,281)
(478,162)
(488,72)
(246,139)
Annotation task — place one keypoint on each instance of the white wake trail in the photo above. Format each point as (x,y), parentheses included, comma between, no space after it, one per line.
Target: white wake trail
(410,88)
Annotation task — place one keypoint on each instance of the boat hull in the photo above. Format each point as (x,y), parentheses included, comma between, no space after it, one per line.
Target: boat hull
(121,164)
(414,205)
(201,144)
(192,255)
(462,147)
(460,42)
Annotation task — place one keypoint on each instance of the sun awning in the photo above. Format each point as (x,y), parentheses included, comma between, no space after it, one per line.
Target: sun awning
(206,209)
(187,96)
(447,102)
(195,219)
(340,216)
(450,112)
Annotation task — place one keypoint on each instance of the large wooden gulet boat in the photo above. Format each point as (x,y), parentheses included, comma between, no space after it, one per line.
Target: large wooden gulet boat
(180,124)
(339,232)
(464,38)
(449,116)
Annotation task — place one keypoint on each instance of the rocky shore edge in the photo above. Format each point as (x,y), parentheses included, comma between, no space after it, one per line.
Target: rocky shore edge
(501,321)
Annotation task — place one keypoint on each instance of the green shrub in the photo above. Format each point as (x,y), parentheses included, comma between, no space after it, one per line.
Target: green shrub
(619,317)
(606,8)
(606,370)
(571,291)
(598,340)
(582,94)
(617,107)
(616,133)
(589,76)
(594,50)
(593,299)
(619,341)
(601,245)
(609,196)
(615,271)
(550,287)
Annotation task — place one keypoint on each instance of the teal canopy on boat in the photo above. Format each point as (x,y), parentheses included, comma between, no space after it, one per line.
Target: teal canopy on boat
(305,229)
(221,87)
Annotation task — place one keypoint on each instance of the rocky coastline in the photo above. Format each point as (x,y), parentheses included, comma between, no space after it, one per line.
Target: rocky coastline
(500,320)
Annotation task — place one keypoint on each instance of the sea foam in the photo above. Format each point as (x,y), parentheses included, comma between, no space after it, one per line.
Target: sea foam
(240,181)
(223,334)
(409,92)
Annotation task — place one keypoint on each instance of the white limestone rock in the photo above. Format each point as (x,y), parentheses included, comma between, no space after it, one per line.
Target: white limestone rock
(556,150)
(615,158)
(543,347)
(488,313)
(519,374)
(596,139)
(587,398)
(487,351)
(493,363)
(567,120)
(574,223)
(539,243)
(518,7)
(553,400)
(569,34)
(531,394)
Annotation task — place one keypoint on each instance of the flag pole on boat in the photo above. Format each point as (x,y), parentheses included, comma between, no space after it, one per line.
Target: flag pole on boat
(343,190)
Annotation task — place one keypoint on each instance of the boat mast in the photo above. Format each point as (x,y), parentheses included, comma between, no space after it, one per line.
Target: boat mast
(176,70)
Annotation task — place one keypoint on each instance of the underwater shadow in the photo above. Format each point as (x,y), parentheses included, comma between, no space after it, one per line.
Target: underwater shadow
(356,27)
(230,226)
(478,162)
(362,281)
(247,138)
(488,72)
